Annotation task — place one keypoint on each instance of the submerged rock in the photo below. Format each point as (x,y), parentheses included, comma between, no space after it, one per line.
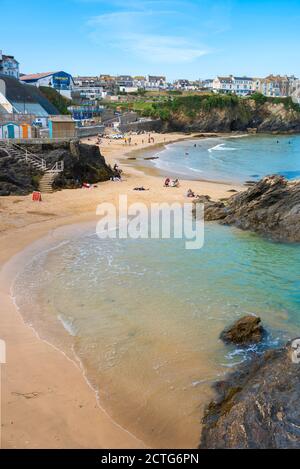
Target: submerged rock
(244,331)
(270,207)
(258,405)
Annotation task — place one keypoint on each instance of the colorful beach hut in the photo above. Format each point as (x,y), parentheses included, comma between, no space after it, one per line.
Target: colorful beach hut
(15,130)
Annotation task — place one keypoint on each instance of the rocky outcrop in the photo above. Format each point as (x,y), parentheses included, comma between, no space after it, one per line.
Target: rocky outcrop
(82,163)
(247,330)
(16,177)
(257,406)
(270,207)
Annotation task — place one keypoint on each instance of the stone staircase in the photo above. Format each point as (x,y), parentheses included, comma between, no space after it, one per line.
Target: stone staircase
(34,161)
(46,182)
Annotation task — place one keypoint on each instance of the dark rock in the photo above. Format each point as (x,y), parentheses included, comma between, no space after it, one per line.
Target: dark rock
(245,331)
(212,210)
(82,163)
(270,207)
(16,177)
(257,406)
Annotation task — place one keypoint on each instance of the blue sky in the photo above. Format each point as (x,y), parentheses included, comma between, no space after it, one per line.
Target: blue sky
(181,39)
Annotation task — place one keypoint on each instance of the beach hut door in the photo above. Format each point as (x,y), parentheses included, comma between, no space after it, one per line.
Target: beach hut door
(11,131)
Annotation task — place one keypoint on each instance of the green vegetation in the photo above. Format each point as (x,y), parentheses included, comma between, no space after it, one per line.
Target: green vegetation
(60,102)
(188,105)
(169,104)
(260,99)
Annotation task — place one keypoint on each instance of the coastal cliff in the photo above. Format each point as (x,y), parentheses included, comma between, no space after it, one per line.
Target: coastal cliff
(226,113)
(257,406)
(270,207)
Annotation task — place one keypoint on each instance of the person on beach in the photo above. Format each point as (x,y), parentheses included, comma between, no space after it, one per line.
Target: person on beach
(175,183)
(167,182)
(190,193)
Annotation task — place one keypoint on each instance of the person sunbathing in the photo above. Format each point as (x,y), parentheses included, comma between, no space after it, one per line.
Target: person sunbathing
(190,193)
(175,183)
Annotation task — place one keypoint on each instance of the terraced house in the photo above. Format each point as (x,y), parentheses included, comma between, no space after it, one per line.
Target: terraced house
(238,85)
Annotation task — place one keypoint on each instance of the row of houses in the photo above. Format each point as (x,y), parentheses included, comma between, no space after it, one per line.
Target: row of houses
(93,88)
(272,85)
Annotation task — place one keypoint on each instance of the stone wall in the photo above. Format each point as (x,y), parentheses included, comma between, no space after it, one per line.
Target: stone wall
(140,126)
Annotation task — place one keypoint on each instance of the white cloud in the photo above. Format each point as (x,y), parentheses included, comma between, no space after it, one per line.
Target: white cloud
(138,33)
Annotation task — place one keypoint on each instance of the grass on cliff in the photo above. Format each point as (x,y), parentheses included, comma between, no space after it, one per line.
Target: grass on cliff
(260,99)
(60,102)
(188,105)
(166,105)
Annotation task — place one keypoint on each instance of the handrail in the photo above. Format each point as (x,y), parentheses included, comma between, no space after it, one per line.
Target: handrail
(32,157)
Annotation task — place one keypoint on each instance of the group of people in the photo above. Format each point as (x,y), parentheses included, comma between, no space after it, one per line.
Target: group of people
(175,183)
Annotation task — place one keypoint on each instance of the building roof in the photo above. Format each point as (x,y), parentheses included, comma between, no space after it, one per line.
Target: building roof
(61,118)
(36,76)
(225,79)
(24,97)
(243,78)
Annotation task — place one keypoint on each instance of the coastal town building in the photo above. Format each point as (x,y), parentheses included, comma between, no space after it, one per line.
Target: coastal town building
(238,85)
(61,81)
(185,85)
(95,93)
(9,65)
(23,103)
(155,83)
(139,81)
(85,81)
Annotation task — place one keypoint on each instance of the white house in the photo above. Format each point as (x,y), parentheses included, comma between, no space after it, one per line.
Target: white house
(155,83)
(9,65)
(237,85)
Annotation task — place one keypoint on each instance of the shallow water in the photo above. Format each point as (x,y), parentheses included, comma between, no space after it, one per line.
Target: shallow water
(144,317)
(234,159)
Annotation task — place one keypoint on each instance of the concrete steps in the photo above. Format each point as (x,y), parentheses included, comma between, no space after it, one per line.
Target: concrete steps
(46,182)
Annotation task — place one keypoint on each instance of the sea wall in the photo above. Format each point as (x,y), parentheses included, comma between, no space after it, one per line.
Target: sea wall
(142,126)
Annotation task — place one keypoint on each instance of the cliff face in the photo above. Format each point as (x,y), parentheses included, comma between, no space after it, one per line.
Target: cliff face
(244,114)
(271,208)
(257,406)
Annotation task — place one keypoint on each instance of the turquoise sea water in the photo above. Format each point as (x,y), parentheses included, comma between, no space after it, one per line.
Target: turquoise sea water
(144,316)
(232,159)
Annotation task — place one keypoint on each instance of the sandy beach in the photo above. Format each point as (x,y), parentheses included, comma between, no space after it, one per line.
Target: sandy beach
(46,401)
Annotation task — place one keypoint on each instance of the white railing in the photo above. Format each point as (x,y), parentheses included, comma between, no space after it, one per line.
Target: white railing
(58,167)
(33,158)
